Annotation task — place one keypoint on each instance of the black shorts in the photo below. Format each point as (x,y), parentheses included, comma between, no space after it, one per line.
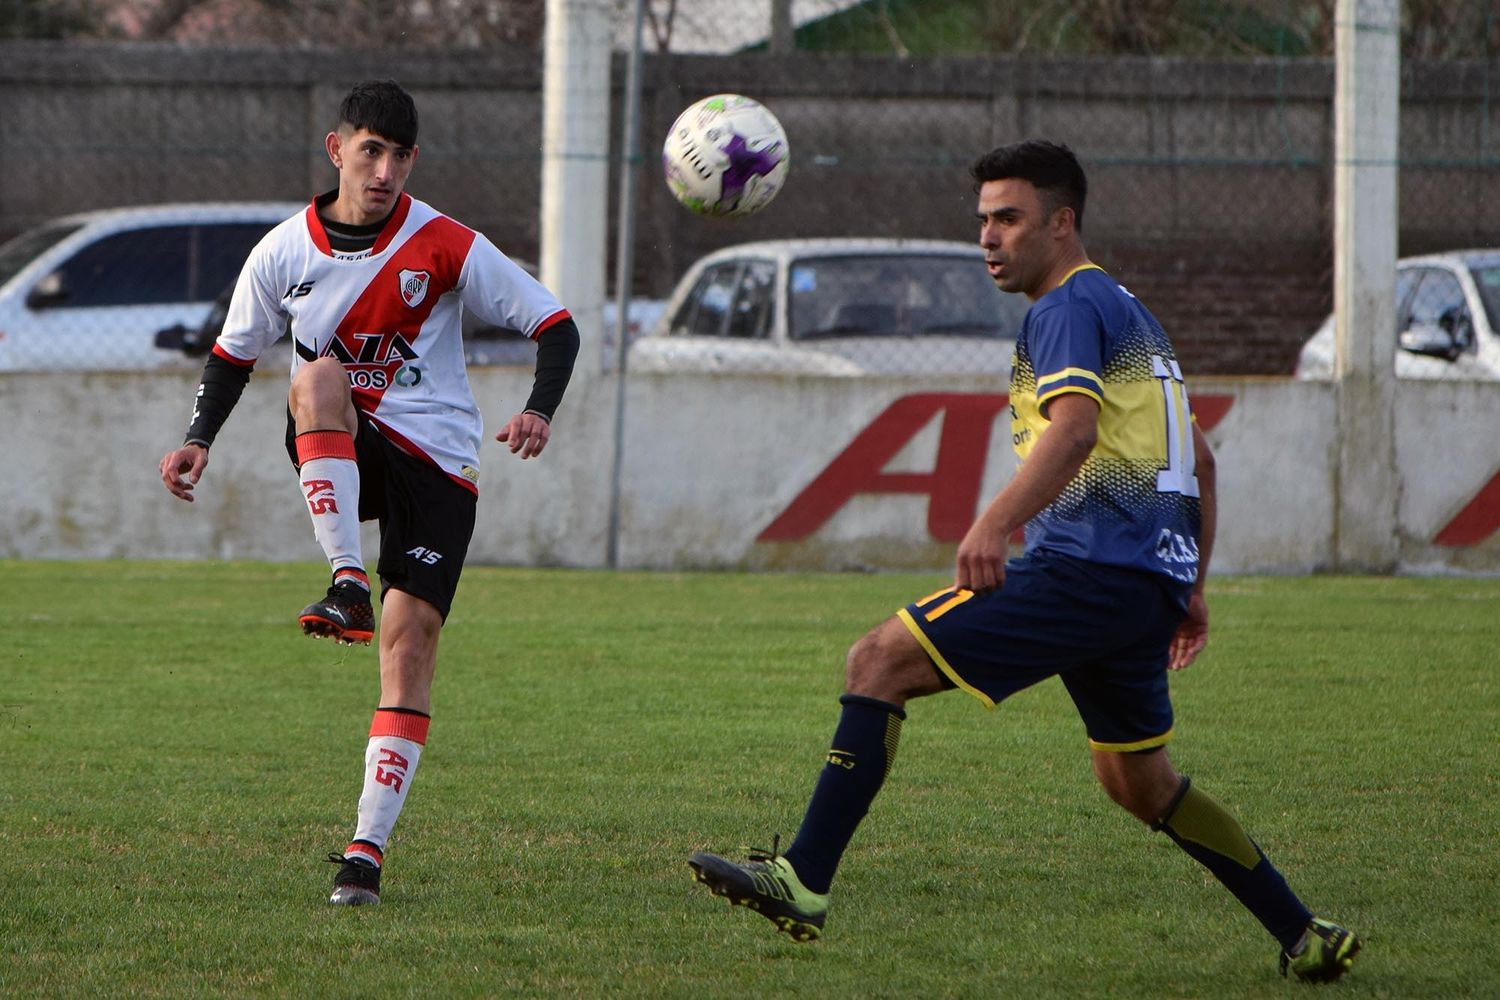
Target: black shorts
(426,519)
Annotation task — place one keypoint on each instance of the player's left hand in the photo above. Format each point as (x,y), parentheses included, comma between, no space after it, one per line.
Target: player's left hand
(1192,634)
(526,434)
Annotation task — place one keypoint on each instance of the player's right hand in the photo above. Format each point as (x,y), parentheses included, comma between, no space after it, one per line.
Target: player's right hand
(980,563)
(181,470)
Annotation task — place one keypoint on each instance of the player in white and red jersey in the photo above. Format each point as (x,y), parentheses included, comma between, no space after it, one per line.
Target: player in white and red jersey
(381,422)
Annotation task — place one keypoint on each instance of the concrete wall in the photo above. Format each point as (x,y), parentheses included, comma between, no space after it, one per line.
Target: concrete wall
(1211,181)
(754,471)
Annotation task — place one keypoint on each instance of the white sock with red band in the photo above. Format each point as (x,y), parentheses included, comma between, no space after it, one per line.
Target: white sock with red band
(351,575)
(396,740)
(330,486)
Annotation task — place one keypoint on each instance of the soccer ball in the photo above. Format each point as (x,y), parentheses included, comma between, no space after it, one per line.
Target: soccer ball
(725,156)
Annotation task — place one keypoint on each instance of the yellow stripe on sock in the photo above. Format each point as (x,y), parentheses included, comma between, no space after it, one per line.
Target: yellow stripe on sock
(892,741)
(1203,821)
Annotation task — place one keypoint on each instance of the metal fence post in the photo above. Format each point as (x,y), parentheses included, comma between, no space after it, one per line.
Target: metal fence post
(630,155)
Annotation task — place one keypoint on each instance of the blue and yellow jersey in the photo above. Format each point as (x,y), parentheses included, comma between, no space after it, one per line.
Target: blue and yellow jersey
(1135,501)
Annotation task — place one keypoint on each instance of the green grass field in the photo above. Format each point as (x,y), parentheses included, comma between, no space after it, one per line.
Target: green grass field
(178,760)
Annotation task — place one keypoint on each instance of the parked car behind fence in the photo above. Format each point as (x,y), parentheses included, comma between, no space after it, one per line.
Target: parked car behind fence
(1447,319)
(90,291)
(837,307)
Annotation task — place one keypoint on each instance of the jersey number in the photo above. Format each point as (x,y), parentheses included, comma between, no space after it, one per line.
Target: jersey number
(1178,476)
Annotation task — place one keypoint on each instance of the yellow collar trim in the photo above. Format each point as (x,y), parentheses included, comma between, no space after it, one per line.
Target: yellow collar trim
(1091,266)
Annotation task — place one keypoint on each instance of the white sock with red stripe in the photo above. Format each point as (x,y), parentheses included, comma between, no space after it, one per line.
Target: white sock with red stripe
(330,485)
(397,736)
(351,575)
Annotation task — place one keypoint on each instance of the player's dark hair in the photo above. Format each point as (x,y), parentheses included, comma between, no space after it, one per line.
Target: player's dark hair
(1050,167)
(382,107)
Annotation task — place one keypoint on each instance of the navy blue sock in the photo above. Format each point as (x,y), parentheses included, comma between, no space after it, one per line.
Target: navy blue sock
(1213,838)
(864,746)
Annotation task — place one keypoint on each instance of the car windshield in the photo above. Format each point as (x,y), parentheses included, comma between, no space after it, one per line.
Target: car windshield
(1487,280)
(31,244)
(899,295)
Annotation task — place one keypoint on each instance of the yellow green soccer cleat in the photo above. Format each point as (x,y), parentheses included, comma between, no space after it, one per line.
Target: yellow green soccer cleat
(1328,954)
(767,885)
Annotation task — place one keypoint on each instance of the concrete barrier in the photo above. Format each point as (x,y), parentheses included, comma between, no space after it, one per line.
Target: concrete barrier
(728,471)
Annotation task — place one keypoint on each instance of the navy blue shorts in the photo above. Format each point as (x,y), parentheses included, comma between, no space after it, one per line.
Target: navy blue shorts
(1104,630)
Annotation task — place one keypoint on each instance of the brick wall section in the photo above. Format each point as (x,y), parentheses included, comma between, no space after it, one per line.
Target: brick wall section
(1229,307)
(1210,182)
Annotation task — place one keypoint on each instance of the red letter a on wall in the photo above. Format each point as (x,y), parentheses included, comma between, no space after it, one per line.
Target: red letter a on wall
(952,487)
(1477,521)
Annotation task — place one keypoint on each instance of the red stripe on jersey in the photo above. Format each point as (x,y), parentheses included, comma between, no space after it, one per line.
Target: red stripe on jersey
(393,225)
(406,445)
(237,362)
(315,230)
(550,322)
(402,725)
(380,330)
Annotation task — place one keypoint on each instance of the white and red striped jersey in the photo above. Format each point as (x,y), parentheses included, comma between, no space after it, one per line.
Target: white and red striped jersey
(392,315)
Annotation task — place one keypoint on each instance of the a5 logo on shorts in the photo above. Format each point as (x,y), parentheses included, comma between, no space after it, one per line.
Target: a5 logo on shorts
(425,555)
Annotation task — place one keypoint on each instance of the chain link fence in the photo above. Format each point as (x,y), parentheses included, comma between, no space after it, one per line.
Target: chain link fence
(1206,129)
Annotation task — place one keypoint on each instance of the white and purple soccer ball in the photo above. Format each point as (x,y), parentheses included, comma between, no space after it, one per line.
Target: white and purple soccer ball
(725,156)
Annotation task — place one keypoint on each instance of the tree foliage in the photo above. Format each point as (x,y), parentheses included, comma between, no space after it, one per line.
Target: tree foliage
(342,23)
(1430,29)
(56,19)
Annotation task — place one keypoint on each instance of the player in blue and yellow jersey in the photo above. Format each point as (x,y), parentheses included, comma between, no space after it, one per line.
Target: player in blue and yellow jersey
(1116,493)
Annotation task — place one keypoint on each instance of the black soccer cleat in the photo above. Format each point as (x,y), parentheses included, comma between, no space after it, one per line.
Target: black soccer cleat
(769,886)
(344,615)
(356,884)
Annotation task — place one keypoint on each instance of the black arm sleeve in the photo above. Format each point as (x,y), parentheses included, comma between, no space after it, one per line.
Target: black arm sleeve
(555,350)
(217,393)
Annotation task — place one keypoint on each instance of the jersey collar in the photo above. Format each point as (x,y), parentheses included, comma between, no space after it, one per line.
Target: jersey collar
(392,226)
(1090,266)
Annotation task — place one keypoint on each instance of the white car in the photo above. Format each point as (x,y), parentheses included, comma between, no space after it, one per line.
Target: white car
(1447,317)
(836,307)
(92,290)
